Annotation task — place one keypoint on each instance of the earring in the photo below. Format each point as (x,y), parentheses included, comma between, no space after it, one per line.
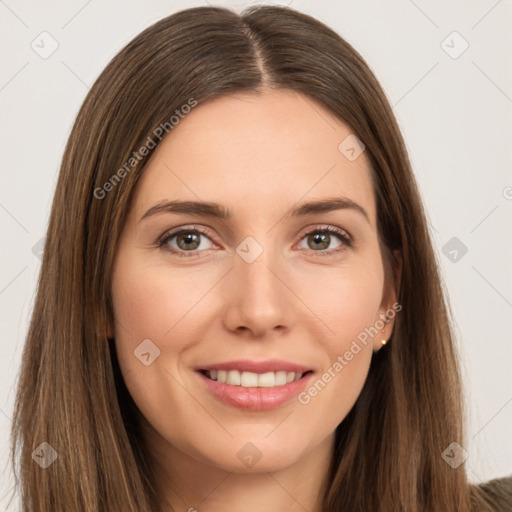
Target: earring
(384,342)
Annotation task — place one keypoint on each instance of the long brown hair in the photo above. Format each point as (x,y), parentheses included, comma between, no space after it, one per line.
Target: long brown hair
(71,394)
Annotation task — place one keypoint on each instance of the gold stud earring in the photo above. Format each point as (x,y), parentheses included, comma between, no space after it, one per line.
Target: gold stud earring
(384,342)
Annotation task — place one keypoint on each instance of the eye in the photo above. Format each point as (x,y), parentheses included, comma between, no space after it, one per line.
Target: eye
(184,242)
(321,238)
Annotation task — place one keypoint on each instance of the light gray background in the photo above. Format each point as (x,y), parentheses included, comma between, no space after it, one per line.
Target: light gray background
(455,114)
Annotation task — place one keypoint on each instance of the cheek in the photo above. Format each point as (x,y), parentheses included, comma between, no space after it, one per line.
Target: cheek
(349,307)
(346,300)
(141,309)
(152,302)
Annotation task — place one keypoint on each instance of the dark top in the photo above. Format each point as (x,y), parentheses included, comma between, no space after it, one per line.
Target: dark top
(498,493)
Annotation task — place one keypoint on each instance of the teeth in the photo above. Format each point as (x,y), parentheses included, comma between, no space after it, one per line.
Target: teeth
(253,380)
(249,380)
(233,378)
(266,380)
(280,378)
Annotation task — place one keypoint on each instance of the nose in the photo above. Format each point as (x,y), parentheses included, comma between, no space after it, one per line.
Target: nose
(256,298)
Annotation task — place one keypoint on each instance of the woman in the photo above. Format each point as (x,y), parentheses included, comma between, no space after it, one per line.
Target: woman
(239,305)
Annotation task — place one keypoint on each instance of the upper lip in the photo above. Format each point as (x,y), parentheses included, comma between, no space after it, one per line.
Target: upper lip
(246,365)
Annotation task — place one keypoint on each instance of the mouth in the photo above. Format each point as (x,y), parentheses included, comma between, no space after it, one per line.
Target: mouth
(255,386)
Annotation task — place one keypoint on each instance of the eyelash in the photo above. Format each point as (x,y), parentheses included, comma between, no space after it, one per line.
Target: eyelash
(341,234)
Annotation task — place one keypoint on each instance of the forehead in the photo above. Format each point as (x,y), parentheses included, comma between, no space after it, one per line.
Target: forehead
(261,151)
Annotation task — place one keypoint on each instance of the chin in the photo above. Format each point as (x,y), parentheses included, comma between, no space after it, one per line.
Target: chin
(255,456)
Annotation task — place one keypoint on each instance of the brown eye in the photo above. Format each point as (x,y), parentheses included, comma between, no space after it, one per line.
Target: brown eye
(320,241)
(185,242)
(188,241)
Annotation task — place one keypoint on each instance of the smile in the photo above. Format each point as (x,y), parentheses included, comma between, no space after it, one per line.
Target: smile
(254,385)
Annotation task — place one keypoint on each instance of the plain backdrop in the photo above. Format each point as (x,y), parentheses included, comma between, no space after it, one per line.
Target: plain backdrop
(446,69)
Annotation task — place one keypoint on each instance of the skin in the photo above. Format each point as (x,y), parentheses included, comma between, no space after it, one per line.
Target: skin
(258,155)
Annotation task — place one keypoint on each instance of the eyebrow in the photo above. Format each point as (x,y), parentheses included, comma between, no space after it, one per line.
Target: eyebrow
(215,210)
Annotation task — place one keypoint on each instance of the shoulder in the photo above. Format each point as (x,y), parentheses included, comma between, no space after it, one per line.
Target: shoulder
(497,494)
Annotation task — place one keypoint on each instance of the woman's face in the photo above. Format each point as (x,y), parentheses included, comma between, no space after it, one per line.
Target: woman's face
(259,296)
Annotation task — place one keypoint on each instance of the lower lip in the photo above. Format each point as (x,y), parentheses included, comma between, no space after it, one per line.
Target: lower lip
(255,399)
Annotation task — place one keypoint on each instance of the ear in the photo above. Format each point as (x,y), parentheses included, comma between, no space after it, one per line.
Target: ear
(389,307)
